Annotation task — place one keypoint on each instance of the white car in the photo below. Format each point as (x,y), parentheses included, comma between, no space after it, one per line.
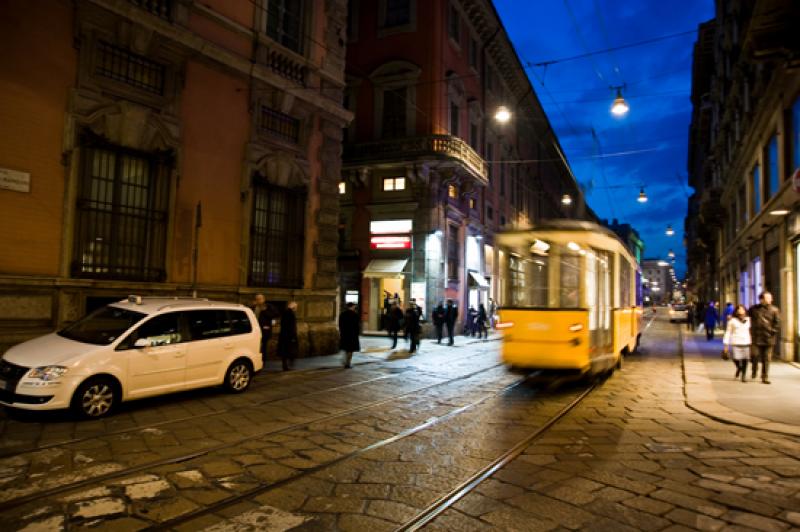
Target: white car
(135,348)
(678,313)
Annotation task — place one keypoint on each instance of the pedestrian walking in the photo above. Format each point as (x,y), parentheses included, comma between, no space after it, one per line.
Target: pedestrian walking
(438,321)
(766,322)
(690,316)
(710,321)
(450,316)
(727,314)
(737,339)
(492,313)
(395,323)
(349,325)
(412,328)
(469,322)
(480,322)
(287,337)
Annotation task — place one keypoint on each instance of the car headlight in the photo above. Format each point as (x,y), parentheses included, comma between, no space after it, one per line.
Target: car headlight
(47,373)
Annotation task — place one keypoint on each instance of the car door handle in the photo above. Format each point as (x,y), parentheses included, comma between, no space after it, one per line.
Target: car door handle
(228,345)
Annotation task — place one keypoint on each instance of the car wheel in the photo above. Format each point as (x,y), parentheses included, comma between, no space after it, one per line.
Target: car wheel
(95,398)
(239,376)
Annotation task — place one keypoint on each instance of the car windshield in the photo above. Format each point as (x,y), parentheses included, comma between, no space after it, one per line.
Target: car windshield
(102,326)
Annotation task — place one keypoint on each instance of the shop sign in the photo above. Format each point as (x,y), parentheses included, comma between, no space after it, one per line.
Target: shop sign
(14,180)
(390,242)
(390,227)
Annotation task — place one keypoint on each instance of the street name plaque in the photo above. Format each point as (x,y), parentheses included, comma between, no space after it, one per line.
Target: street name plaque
(14,180)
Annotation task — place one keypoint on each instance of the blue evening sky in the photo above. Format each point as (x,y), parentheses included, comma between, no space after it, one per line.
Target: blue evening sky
(647,147)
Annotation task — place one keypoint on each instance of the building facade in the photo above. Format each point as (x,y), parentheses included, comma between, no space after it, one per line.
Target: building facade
(743,229)
(429,176)
(658,282)
(169,147)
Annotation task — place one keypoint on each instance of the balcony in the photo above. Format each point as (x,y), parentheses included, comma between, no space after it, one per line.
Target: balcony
(159,8)
(419,149)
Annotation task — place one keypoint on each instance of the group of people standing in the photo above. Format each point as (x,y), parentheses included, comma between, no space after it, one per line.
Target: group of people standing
(268,317)
(396,319)
(751,335)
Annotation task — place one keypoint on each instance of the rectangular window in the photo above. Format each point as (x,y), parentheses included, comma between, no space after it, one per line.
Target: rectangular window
(472,203)
(398,13)
(795,139)
(285,23)
(280,124)
(743,210)
(473,53)
(771,175)
(277,236)
(391,184)
(473,136)
(342,187)
(756,188)
(454,24)
(454,111)
(394,113)
(502,179)
(490,212)
(132,69)
(121,218)
(452,253)
(452,191)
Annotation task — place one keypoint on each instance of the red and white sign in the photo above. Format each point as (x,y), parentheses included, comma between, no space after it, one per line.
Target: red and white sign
(390,242)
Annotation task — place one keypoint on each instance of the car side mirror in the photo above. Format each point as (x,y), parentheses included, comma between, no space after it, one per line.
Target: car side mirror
(141,343)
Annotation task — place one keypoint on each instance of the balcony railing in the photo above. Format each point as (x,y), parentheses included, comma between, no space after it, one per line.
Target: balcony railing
(432,146)
(159,8)
(285,66)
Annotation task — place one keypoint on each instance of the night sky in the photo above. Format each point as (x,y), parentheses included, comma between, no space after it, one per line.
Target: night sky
(646,147)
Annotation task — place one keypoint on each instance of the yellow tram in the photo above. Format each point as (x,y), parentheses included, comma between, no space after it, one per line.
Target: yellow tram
(571,298)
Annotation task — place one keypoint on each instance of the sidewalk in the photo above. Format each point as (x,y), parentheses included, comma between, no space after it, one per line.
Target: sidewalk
(374,348)
(712,390)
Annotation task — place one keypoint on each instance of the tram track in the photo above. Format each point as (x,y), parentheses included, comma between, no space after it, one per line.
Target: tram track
(446,501)
(111,475)
(4,454)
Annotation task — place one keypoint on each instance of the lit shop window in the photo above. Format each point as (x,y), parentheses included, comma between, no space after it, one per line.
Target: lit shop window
(394,183)
(471,203)
(342,187)
(452,191)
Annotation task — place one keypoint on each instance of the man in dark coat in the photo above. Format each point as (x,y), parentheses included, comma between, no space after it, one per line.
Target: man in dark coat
(412,328)
(690,316)
(450,316)
(287,337)
(394,321)
(438,321)
(480,322)
(765,324)
(349,325)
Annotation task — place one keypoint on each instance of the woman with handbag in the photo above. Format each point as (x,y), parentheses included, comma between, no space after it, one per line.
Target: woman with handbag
(737,338)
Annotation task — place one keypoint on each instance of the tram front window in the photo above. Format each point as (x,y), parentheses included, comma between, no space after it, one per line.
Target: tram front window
(543,275)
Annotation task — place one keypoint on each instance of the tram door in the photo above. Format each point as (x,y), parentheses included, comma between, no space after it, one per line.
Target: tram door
(598,301)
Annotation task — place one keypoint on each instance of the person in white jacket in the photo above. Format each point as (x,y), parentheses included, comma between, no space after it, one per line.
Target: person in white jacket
(737,338)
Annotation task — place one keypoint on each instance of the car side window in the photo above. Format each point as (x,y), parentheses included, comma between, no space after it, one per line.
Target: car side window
(207,324)
(240,323)
(160,330)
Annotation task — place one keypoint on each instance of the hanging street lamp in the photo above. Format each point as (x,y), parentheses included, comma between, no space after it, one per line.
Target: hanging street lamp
(566,199)
(642,196)
(620,107)
(502,114)
(669,231)
(671,254)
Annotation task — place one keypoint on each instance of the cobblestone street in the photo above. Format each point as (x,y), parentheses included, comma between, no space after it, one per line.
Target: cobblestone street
(373,448)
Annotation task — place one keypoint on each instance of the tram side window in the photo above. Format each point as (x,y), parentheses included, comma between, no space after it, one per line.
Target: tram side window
(570,281)
(624,283)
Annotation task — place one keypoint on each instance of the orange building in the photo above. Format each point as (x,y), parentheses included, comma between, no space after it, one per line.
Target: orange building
(429,175)
(164,147)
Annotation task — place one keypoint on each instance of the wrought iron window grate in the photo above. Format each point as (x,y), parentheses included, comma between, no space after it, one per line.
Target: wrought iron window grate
(277,237)
(132,69)
(280,124)
(121,221)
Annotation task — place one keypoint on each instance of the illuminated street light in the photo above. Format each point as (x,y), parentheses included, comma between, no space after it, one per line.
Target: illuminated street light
(566,199)
(642,196)
(670,231)
(671,254)
(620,107)
(502,114)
